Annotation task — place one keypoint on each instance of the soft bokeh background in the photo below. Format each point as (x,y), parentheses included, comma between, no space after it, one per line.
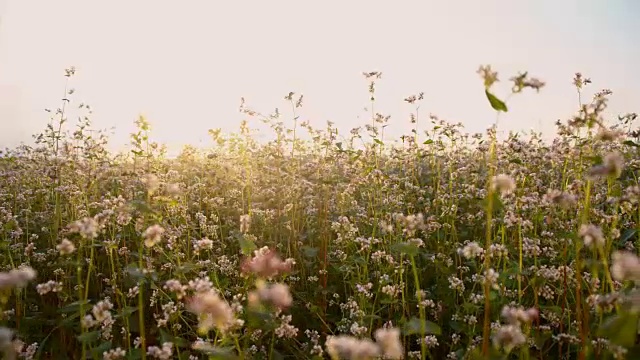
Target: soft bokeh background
(185,64)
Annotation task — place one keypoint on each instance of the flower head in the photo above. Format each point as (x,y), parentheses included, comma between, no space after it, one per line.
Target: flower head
(503,184)
(266,264)
(212,310)
(152,235)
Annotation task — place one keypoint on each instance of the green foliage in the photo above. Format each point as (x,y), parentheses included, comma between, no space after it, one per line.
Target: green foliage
(496,103)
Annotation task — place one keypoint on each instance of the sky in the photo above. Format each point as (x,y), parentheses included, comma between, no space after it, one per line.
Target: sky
(186,64)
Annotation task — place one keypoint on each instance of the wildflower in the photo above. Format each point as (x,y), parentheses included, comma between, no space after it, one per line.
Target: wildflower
(579,81)
(164,353)
(612,166)
(351,348)
(488,75)
(523,81)
(201,285)
(563,199)
(49,286)
(430,341)
(504,184)
(212,310)
(173,189)
(202,244)
(389,342)
(276,294)
(17,278)
(609,134)
(114,354)
(176,287)
(626,266)
(152,235)
(518,316)
(151,182)
(87,228)
(491,278)
(592,235)
(66,247)
(88,322)
(509,337)
(286,330)
(201,345)
(471,250)
(245,223)
(266,263)
(101,310)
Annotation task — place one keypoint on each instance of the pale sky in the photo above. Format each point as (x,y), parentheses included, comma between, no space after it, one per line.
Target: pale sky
(185,64)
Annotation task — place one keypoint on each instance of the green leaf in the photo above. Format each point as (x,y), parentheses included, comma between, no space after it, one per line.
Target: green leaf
(541,338)
(175,340)
(133,271)
(134,354)
(497,205)
(430,141)
(310,252)
(630,143)
(74,307)
(496,103)
(277,355)
(187,268)
(247,246)
(89,337)
(455,325)
(71,320)
(627,235)
(595,160)
(620,329)
(100,349)
(405,248)
(371,317)
(127,310)
(416,326)
(378,142)
(260,319)
(142,206)
(538,281)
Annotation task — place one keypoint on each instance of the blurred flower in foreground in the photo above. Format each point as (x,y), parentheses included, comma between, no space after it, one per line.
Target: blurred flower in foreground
(626,266)
(510,336)
(277,295)
(266,264)
(503,184)
(592,235)
(17,278)
(152,235)
(66,247)
(387,346)
(212,311)
(351,348)
(390,344)
(612,165)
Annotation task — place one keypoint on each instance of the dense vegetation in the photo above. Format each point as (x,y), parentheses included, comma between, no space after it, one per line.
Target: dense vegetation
(443,245)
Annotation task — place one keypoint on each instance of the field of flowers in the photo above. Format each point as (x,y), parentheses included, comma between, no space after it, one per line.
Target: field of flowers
(444,245)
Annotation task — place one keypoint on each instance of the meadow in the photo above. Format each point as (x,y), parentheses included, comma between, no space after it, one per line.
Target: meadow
(442,245)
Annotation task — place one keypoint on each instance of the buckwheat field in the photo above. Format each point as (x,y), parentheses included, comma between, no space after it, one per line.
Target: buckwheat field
(437,245)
